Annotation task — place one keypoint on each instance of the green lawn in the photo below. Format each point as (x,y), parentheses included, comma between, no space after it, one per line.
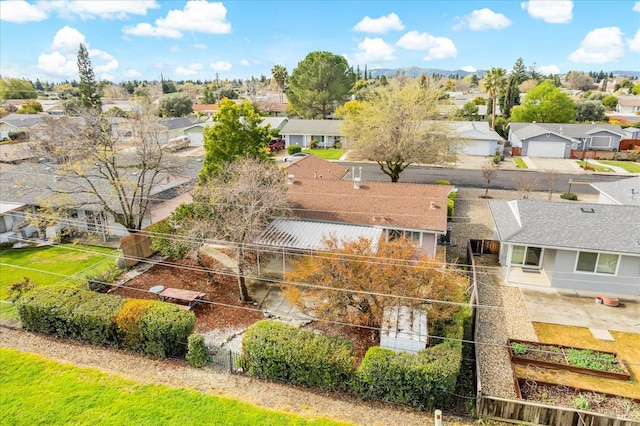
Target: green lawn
(519,162)
(39,391)
(595,167)
(327,154)
(629,166)
(50,265)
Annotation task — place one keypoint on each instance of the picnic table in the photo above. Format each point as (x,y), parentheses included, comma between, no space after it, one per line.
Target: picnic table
(189,296)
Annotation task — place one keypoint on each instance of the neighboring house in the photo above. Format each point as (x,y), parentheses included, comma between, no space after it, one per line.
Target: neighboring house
(556,140)
(624,192)
(476,138)
(418,212)
(206,109)
(569,245)
(13,224)
(628,105)
(34,185)
(18,123)
(302,132)
(15,152)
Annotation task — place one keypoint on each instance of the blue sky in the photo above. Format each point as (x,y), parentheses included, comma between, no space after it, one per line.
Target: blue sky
(238,39)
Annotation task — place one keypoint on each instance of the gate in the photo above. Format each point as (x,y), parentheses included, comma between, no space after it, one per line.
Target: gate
(480,247)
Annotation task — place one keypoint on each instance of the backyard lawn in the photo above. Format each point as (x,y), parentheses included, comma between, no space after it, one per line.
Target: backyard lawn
(626,345)
(39,391)
(327,154)
(49,265)
(629,166)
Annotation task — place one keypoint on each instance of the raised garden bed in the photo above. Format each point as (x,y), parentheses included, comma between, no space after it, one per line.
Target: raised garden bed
(581,399)
(578,360)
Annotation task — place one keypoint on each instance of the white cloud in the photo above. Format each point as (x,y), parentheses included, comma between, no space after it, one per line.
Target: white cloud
(197,16)
(379,25)
(106,77)
(200,46)
(220,66)
(634,43)
(548,69)
(191,69)
(636,7)
(248,62)
(21,12)
(131,73)
(600,46)
(68,40)
(63,59)
(484,19)
(374,50)
(437,47)
(550,11)
(469,68)
(113,9)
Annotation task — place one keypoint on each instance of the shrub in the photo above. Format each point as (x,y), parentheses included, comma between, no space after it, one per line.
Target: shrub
(314,144)
(337,145)
(165,329)
(101,281)
(293,149)
(93,319)
(451,208)
(274,350)
(569,196)
(128,322)
(196,351)
(423,380)
(17,289)
(441,182)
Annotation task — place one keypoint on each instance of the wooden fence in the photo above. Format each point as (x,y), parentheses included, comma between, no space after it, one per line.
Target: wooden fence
(532,413)
(136,247)
(578,154)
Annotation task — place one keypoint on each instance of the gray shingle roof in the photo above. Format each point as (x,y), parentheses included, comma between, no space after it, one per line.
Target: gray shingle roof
(610,227)
(620,191)
(22,120)
(311,127)
(573,131)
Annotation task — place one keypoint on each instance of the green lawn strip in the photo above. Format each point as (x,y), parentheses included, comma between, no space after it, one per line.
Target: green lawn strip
(595,167)
(38,391)
(519,162)
(626,345)
(49,265)
(327,154)
(629,166)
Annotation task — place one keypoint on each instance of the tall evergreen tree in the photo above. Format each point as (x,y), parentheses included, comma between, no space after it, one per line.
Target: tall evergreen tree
(519,71)
(88,87)
(512,96)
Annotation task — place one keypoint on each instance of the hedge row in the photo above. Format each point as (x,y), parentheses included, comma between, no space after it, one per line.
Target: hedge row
(274,350)
(155,328)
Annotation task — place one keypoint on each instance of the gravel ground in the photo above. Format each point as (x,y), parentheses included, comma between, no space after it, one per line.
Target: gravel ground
(177,374)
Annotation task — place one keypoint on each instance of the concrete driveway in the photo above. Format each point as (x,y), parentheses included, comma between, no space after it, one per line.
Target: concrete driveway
(570,308)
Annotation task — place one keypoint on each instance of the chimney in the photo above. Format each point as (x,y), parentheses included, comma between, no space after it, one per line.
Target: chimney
(356,183)
(291,179)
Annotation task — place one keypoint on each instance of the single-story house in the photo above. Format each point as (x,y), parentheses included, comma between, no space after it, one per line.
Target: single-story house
(556,140)
(33,185)
(18,123)
(569,245)
(476,138)
(624,191)
(13,223)
(302,132)
(628,105)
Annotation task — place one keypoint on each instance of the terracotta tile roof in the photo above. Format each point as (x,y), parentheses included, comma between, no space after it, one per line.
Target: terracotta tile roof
(389,205)
(312,167)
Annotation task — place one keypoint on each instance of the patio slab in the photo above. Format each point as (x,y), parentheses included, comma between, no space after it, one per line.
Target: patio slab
(601,334)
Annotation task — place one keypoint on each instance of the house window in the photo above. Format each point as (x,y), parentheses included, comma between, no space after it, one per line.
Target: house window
(601,142)
(598,263)
(526,256)
(394,234)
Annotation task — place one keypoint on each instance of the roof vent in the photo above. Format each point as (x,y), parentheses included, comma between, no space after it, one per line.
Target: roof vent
(587,210)
(291,179)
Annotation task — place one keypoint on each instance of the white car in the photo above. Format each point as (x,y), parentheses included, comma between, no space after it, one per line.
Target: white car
(296,155)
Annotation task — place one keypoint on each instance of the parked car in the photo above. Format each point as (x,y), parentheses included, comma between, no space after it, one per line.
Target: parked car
(276,144)
(295,156)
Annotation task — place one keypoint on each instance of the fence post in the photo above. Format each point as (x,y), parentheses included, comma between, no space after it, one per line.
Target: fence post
(230,361)
(438,418)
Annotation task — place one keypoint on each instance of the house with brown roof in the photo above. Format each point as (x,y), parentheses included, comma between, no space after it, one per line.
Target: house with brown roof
(628,105)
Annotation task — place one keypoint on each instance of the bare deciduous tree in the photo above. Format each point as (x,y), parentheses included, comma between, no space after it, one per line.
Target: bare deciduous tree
(489,172)
(525,184)
(549,179)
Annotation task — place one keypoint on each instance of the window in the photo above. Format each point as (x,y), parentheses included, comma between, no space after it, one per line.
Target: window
(394,234)
(598,263)
(526,256)
(601,142)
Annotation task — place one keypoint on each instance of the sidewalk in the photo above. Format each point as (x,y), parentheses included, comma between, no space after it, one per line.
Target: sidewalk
(560,165)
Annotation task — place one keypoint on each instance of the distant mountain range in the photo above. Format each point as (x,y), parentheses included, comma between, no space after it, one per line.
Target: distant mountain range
(417,72)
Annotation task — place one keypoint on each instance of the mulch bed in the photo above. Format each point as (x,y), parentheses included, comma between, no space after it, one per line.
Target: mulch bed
(225,310)
(586,400)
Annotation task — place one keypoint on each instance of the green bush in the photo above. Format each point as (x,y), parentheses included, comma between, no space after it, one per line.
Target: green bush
(569,196)
(314,144)
(293,149)
(274,350)
(152,327)
(101,281)
(424,380)
(196,351)
(441,182)
(451,208)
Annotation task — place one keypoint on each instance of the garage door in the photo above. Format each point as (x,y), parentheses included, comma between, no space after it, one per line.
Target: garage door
(546,149)
(296,140)
(479,148)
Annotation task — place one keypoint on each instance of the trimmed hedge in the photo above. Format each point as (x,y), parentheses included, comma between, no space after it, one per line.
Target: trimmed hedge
(293,149)
(274,350)
(151,327)
(441,182)
(197,351)
(424,380)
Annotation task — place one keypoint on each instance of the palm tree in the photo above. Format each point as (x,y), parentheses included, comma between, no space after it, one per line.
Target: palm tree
(494,83)
(280,75)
